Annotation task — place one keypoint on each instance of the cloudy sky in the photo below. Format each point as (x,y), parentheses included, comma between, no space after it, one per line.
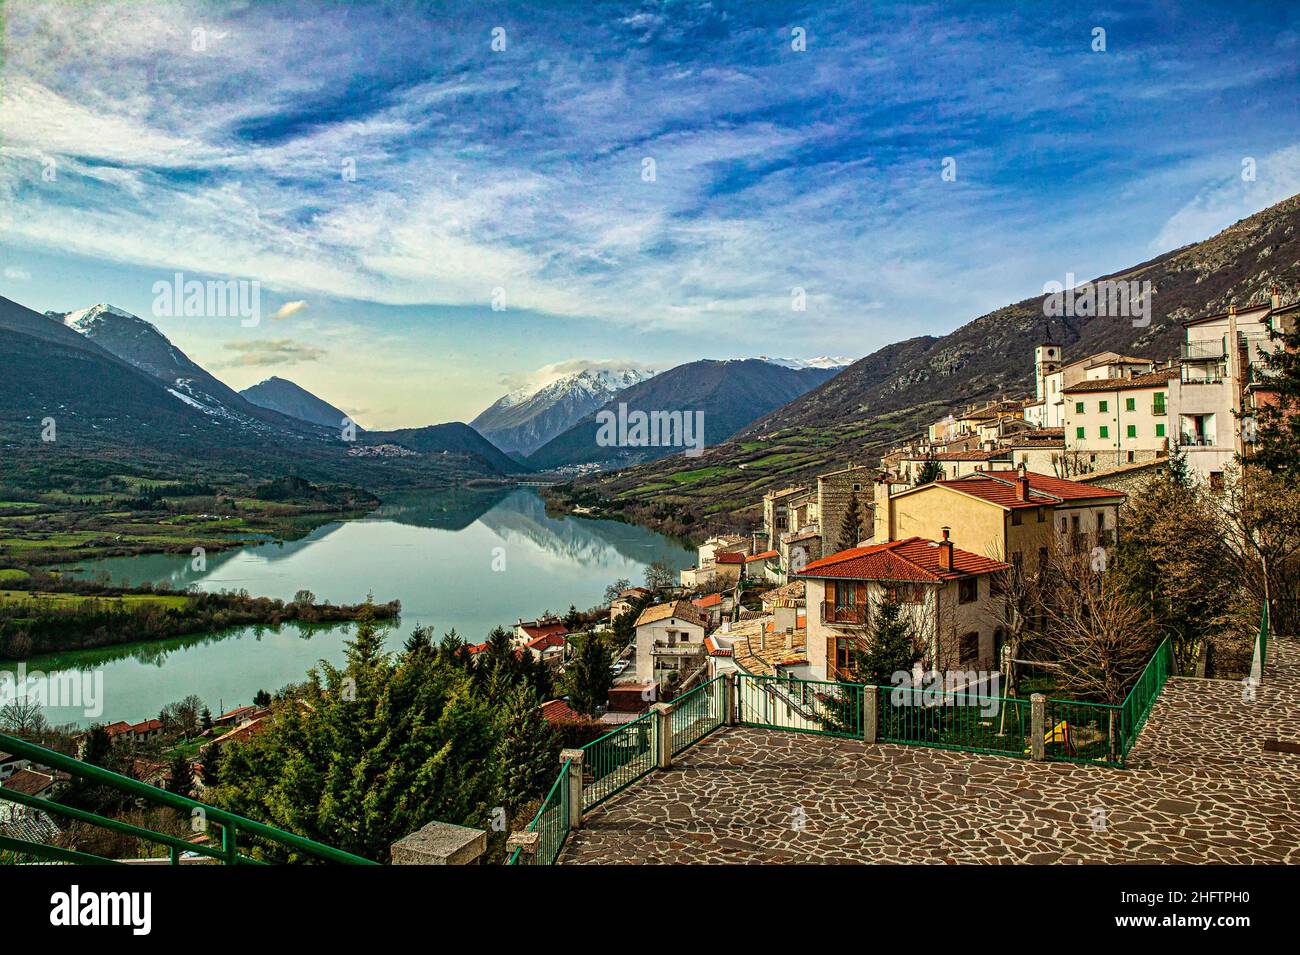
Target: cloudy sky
(632,181)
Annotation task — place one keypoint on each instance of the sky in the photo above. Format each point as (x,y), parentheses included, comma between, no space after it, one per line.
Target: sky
(439,200)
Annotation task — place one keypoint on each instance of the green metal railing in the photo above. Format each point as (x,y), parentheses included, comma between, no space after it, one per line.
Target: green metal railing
(1142,697)
(954,720)
(1261,643)
(1080,732)
(617,760)
(698,713)
(235,830)
(803,706)
(551,823)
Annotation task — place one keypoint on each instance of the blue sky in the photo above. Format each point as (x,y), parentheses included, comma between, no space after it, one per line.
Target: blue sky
(522,169)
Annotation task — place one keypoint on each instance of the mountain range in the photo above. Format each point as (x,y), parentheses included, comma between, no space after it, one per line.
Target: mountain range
(891,394)
(100,390)
(525,419)
(729,394)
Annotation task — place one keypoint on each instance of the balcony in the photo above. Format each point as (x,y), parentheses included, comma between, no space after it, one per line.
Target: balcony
(1195,441)
(849,616)
(677,650)
(1202,351)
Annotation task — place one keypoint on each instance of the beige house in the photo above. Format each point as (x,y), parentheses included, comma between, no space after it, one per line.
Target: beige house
(1111,422)
(626,601)
(722,573)
(785,511)
(669,638)
(954,464)
(1052,378)
(1004,515)
(946,592)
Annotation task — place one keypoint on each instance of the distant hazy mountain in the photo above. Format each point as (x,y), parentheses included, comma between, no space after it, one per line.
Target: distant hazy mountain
(454,438)
(731,394)
(524,420)
(282,395)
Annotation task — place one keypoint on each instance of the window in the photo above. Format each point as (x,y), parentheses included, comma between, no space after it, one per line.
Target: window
(1103,406)
(1132,431)
(1078,433)
(970,647)
(1216,480)
(843,655)
(968,590)
(1064,527)
(1130,404)
(1017,518)
(1042,514)
(1158,407)
(1160,431)
(1105,431)
(1078,407)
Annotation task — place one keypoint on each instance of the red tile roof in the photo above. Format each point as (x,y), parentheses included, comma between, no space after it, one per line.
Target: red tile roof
(712,600)
(914,560)
(546,641)
(29,782)
(999,487)
(959,455)
(559,711)
(766,555)
(715,650)
(543,630)
(729,557)
(1153,379)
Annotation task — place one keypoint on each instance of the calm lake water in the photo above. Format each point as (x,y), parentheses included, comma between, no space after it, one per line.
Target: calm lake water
(463,560)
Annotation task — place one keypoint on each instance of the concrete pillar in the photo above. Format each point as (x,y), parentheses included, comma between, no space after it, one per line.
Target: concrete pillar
(574,758)
(870,715)
(663,733)
(440,843)
(1038,726)
(526,843)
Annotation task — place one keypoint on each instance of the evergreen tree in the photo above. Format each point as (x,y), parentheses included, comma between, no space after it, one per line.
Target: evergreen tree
(181,779)
(210,766)
(930,472)
(851,524)
(891,647)
(206,719)
(572,619)
(587,678)
(373,751)
(1277,425)
(528,751)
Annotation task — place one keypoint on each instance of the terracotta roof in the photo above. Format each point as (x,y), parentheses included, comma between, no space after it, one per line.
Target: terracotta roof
(534,630)
(751,656)
(914,560)
(729,557)
(959,455)
(29,782)
(766,555)
(559,711)
(1153,380)
(546,641)
(999,487)
(794,590)
(118,728)
(712,600)
(714,649)
(681,609)
(235,712)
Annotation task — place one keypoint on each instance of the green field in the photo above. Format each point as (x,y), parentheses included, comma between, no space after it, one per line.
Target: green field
(166,601)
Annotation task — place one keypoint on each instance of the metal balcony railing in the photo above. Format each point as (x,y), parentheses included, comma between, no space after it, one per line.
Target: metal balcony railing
(231,826)
(1201,351)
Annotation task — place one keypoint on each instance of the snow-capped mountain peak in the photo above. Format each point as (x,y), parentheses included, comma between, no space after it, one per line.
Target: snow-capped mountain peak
(85,320)
(821,361)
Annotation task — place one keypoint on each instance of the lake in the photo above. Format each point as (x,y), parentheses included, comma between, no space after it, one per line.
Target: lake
(463,560)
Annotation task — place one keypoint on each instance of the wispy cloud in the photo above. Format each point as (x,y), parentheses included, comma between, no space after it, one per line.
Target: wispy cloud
(274,351)
(288,310)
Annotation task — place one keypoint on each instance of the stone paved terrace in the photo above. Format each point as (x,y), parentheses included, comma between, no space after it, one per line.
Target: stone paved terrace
(1198,788)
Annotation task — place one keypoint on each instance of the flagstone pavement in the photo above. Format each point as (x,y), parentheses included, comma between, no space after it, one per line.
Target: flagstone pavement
(1198,788)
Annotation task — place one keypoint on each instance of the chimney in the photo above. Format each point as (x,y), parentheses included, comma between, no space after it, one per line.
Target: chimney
(945,550)
(1022,483)
(789,638)
(1277,298)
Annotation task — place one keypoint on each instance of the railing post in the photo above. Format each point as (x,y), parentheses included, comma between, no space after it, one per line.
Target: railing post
(729,681)
(663,734)
(1038,727)
(440,843)
(574,758)
(526,843)
(870,715)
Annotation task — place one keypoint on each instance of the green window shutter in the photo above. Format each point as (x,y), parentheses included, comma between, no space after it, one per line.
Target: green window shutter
(1160,431)
(1078,407)
(1132,431)
(1078,433)
(1130,404)
(1105,431)
(1103,406)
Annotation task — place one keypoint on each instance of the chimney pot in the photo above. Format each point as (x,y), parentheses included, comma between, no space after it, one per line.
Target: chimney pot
(945,551)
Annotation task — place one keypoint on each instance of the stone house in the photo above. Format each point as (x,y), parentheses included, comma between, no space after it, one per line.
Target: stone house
(669,638)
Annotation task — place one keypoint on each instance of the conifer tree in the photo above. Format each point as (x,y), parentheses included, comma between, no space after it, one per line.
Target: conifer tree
(528,751)
(851,524)
(587,677)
